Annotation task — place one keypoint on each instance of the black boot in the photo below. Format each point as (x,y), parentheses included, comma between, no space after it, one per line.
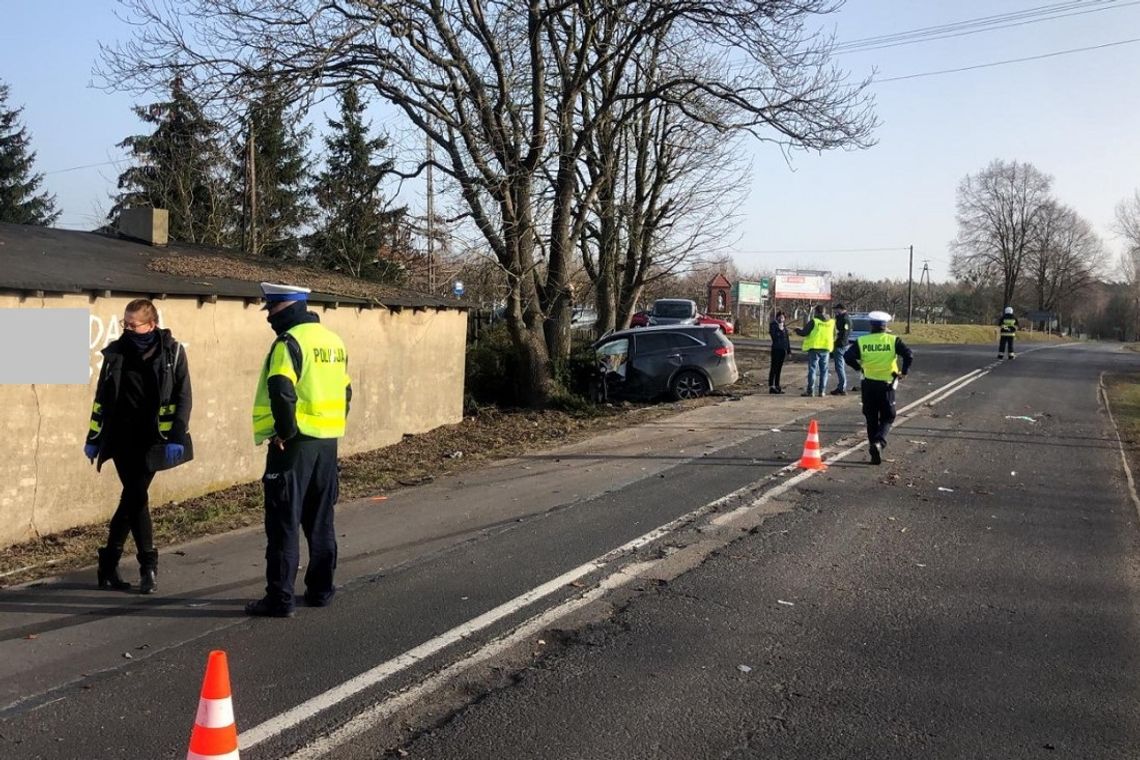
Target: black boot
(148,571)
(109,570)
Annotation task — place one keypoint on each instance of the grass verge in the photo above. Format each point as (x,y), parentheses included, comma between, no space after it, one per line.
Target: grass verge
(967,334)
(1124,398)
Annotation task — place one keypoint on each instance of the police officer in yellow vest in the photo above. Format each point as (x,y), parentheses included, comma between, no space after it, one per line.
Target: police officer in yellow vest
(300,409)
(819,342)
(877,356)
(1008,325)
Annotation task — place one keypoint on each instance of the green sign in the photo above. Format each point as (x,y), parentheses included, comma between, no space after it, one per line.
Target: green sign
(750,293)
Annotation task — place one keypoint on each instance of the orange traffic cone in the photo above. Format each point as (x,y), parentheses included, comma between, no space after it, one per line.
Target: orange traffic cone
(215,734)
(811,459)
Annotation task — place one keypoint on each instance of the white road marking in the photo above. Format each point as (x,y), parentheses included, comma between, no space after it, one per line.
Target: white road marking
(312,707)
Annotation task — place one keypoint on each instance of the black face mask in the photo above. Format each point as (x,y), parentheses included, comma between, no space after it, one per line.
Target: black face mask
(142,342)
(287,317)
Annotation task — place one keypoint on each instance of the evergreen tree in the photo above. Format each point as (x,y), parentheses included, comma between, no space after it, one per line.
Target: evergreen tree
(277,210)
(177,168)
(19,201)
(357,233)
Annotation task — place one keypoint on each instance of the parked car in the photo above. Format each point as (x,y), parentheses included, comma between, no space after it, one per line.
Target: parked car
(673,311)
(684,361)
(860,326)
(724,325)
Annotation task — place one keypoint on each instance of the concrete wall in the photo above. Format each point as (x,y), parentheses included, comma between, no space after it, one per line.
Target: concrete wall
(406,369)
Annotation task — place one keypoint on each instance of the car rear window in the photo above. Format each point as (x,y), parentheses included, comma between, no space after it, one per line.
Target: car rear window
(673,309)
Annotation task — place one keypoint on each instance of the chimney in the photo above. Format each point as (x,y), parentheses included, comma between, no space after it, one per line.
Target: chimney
(150,225)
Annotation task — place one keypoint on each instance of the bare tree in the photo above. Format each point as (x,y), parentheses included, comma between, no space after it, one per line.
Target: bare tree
(998,211)
(1128,222)
(485,80)
(1065,257)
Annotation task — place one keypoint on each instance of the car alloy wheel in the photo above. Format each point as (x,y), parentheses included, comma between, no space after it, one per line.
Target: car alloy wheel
(689,385)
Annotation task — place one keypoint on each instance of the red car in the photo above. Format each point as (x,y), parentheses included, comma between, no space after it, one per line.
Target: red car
(641,319)
(724,325)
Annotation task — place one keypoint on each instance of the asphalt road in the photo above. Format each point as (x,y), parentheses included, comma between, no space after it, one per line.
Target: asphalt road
(874,613)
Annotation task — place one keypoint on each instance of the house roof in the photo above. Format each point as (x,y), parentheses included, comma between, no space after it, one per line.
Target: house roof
(65,261)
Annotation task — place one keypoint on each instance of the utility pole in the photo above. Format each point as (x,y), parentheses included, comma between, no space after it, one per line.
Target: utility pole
(430,216)
(910,290)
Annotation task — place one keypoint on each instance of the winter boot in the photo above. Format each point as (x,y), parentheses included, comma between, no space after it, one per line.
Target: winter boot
(109,570)
(148,571)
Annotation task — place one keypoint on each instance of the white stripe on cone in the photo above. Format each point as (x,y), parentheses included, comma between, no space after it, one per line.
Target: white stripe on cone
(228,756)
(215,713)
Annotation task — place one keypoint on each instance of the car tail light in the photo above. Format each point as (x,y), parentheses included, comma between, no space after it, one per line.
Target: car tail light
(723,350)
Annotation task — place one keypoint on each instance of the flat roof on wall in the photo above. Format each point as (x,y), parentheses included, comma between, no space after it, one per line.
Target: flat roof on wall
(65,261)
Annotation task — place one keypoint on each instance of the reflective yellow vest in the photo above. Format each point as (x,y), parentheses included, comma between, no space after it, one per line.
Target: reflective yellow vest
(1009,326)
(321,406)
(877,356)
(822,336)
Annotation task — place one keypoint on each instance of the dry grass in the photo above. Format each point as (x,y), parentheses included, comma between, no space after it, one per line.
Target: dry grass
(966,334)
(1124,398)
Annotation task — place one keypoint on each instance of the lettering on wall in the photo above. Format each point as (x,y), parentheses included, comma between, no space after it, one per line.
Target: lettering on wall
(105,330)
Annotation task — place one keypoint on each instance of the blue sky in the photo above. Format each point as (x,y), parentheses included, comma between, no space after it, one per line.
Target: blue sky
(1073,116)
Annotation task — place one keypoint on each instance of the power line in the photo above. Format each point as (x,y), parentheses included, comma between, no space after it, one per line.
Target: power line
(903,38)
(86,166)
(981,24)
(1011,60)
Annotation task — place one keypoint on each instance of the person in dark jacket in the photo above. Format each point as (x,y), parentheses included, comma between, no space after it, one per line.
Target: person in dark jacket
(142,407)
(781,348)
(842,333)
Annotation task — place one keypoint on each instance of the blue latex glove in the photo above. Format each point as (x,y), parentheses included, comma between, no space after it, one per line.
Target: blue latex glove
(91,451)
(174,452)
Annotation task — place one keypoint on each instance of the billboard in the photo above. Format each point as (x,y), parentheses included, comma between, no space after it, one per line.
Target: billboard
(750,293)
(803,285)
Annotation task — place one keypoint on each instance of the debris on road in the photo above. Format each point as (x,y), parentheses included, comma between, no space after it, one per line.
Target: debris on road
(128,656)
(786,604)
(744,668)
(945,490)
(1020,417)
(918,443)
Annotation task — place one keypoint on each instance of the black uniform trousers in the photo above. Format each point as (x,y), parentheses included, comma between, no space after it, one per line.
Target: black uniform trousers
(878,409)
(301,488)
(1005,344)
(778,356)
(133,514)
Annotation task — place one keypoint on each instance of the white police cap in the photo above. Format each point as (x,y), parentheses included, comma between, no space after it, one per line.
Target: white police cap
(275,293)
(879,316)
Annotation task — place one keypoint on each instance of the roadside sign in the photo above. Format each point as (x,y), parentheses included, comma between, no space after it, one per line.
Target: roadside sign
(749,293)
(798,284)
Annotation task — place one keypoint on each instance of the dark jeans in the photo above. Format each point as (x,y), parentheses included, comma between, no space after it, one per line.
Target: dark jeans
(878,408)
(133,515)
(1005,344)
(301,488)
(778,356)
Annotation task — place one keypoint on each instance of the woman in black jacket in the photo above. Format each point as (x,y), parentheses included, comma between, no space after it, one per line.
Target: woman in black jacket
(140,420)
(781,347)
